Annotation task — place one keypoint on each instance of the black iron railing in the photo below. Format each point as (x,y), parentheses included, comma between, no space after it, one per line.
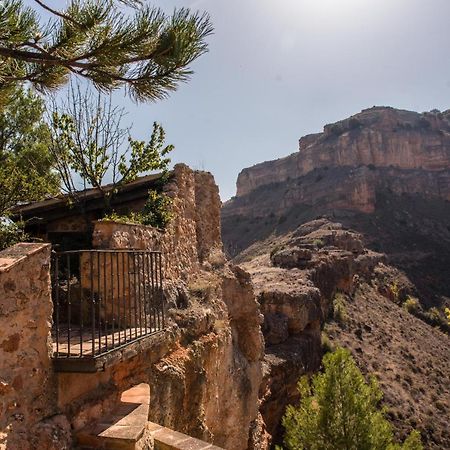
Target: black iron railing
(104,299)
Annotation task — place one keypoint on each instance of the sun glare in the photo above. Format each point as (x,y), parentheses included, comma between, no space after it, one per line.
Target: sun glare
(321,10)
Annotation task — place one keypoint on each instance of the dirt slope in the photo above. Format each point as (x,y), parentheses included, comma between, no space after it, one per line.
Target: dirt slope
(410,358)
(298,278)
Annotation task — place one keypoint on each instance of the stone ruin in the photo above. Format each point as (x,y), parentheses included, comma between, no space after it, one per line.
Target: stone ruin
(177,378)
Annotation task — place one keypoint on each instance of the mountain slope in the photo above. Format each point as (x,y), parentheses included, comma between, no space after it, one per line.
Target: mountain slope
(301,280)
(383,172)
(345,237)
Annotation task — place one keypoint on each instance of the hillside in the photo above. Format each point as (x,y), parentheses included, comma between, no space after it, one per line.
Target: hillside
(383,172)
(320,276)
(350,238)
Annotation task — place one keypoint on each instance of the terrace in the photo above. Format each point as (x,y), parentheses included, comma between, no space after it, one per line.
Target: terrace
(104,300)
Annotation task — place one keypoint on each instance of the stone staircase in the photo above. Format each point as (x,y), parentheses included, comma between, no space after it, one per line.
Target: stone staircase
(128,428)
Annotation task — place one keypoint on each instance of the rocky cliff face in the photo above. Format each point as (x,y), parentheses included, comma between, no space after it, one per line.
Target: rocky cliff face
(357,222)
(207,385)
(383,172)
(320,279)
(379,137)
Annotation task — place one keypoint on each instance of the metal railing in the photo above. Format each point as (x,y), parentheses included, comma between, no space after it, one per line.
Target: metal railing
(104,299)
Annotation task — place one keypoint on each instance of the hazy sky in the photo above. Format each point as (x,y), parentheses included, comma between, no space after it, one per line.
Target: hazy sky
(280,69)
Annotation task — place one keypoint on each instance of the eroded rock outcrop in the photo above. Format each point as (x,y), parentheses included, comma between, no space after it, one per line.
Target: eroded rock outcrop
(295,279)
(346,168)
(208,386)
(384,173)
(379,137)
(301,280)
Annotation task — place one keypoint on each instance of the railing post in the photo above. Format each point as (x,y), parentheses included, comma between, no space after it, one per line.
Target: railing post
(69,306)
(99,295)
(92,304)
(55,285)
(161,290)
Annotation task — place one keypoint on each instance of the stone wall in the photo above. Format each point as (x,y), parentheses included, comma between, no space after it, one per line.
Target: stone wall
(26,386)
(204,369)
(207,216)
(190,238)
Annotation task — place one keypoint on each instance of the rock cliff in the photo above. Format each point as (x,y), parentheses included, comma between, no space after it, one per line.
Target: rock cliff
(350,238)
(319,285)
(379,137)
(383,172)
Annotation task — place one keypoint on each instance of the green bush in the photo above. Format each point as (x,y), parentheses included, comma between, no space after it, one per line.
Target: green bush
(339,310)
(435,317)
(340,410)
(412,305)
(10,233)
(157,211)
(319,243)
(393,288)
(327,345)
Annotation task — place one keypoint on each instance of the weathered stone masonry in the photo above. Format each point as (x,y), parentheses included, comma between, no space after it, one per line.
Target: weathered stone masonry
(27,393)
(204,371)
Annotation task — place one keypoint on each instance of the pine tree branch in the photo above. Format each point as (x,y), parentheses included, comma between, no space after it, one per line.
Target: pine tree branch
(58,14)
(149,52)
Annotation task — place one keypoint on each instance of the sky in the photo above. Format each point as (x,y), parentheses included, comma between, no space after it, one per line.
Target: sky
(279,69)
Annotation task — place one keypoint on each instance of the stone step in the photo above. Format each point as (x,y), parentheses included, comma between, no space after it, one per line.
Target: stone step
(167,439)
(126,428)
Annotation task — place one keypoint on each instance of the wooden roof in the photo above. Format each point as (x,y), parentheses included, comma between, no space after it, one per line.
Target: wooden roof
(90,198)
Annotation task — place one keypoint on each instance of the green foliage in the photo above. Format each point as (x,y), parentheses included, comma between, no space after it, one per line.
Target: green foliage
(339,411)
(339,310)
(412,305)
(412,442)
(132,218)
(145,156)
(88,140)
(10,234)
(143,48)
(327,345)
(156,213)
(25,164)
(395,291)
(319,243)
(436,317)
(157,210)
(447,314)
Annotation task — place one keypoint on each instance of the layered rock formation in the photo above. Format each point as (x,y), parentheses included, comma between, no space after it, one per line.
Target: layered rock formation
(383,172)
(379,149)
(356,222)
(321,274)
(379,137)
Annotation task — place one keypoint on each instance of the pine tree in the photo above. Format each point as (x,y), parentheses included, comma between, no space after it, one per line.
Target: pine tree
(144,49)
(339,411)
